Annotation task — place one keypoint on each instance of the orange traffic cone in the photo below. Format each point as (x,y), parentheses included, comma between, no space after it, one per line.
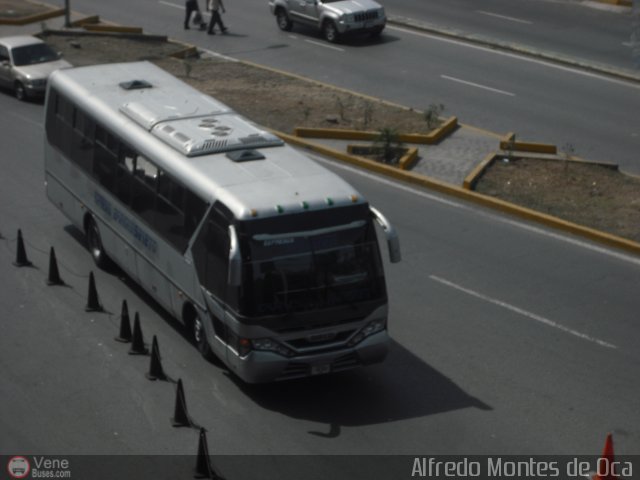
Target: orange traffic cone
(605,470)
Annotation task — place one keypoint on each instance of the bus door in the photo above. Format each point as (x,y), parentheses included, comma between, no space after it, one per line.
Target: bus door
(211,257)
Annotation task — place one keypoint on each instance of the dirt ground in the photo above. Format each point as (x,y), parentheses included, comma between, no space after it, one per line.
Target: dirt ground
(589,195)
(594,196)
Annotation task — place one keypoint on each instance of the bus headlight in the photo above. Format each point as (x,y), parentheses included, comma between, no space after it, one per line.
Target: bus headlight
(269,345)
(242,346)
(369,329)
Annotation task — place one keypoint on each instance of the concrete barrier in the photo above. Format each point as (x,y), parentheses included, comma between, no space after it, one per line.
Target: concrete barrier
(187,52)
(510,143)
(93,19)
(111,28)
(406,161)
(472,178)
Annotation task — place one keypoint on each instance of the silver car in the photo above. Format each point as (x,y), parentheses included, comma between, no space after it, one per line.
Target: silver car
(334,18)
(25,65)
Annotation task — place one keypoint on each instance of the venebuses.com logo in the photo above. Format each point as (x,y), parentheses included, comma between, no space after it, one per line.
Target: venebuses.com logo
(18,467)
(38,467)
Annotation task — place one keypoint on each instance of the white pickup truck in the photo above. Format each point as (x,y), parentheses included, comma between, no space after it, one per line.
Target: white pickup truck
(334,18)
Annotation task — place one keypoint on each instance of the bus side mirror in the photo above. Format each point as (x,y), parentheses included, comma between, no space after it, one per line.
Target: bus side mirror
(235,260)
(393,243)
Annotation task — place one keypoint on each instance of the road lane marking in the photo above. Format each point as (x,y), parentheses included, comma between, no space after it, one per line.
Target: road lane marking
(516,56)
(218,55)
(320,44)
(477,85)
(504,17)
(169,4)
(486,213)
(522,312)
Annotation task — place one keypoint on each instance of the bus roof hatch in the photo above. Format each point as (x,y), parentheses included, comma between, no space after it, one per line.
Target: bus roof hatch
(213,134)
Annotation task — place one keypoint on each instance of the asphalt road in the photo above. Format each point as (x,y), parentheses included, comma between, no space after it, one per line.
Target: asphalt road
(507,339)
(592,115)
(591,31)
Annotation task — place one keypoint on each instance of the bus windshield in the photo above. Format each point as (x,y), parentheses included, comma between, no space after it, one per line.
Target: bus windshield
(300,271)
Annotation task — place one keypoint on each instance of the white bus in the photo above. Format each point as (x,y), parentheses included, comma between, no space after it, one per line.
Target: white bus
(269,258)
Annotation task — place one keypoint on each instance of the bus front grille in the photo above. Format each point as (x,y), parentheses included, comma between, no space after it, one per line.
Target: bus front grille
(336,339)
(301,369)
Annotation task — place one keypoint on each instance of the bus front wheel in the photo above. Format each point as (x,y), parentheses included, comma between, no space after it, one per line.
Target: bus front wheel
(94,242)
(200,337)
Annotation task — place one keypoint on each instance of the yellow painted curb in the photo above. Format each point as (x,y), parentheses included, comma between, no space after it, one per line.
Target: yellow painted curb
(472,178)
(33,18)
(334,133)
(404,163)
(468,195)
(409,159)
(431,138)
(188,52)
(93,19)
(509,142)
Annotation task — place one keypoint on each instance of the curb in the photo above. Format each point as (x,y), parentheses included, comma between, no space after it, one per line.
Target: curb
(509,143)
(32,18)
(404,163)
(431,138)
(87,33)
(111,28)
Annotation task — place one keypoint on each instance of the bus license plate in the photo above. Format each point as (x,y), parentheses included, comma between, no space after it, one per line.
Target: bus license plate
(320,369)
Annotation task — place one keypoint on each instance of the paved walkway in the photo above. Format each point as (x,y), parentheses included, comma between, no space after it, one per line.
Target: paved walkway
(450,161)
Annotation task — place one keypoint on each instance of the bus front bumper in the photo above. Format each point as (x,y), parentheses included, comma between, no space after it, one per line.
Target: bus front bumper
(261,366)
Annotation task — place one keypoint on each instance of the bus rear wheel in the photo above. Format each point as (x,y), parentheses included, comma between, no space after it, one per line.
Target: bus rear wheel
(94,242)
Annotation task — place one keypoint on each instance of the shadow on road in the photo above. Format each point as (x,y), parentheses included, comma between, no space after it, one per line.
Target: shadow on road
(402,387)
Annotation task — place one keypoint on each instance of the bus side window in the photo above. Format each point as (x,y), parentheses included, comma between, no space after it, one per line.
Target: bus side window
(82,139)
(105,159)
(195,209)
(62,133)
(124,174)
(169,218)
(144,188)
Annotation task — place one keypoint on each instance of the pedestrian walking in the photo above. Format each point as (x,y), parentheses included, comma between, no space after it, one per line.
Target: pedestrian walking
(216,6)
(192,8)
